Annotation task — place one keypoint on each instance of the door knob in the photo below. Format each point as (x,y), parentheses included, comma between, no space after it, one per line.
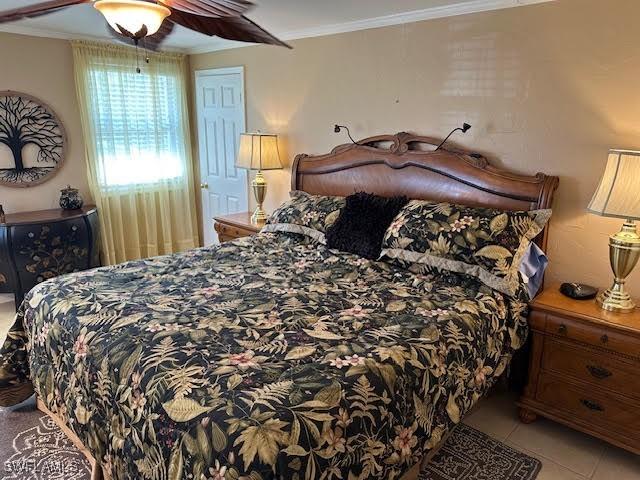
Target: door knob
(204,185)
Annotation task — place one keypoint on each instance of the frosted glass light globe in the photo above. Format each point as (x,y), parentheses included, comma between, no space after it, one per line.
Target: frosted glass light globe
(133,14)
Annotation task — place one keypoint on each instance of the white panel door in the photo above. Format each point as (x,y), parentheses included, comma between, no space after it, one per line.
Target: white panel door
(221,120)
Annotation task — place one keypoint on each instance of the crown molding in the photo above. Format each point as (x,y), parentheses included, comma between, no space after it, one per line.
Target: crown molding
(38,32)
(462,8)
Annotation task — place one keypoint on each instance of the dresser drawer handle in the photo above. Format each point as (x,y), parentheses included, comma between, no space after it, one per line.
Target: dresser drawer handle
(592,405)
(562,329)
(604,339)
(598,372)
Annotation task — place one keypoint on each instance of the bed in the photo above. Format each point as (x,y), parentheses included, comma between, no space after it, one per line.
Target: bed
(272,356)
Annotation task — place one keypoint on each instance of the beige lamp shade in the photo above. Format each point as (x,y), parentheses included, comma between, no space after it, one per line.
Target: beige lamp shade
(258,151)
(618,194)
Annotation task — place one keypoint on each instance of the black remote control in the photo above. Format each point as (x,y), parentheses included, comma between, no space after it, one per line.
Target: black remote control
(578,291)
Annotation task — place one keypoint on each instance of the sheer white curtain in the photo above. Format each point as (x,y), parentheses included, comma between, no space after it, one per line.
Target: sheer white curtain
(136,129)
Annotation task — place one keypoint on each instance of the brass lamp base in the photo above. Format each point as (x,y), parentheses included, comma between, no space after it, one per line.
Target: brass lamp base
(624,252)
(615,301)
(259,216)
(259,186)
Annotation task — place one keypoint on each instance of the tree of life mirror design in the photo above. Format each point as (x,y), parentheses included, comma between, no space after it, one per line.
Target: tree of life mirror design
(32,140)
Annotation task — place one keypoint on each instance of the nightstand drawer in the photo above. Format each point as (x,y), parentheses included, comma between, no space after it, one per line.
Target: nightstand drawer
(591,334)
(590,405)
(599,368)
(232,231)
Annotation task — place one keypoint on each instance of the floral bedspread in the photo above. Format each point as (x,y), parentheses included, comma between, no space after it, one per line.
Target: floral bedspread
(265,358)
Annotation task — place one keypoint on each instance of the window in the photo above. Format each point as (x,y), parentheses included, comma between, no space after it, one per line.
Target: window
(138,126)
(136,132)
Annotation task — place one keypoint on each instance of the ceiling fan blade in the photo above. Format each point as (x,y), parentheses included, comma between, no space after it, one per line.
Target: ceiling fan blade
(152,42)
(37,10)
(119,37)
(232,28)
(210,8)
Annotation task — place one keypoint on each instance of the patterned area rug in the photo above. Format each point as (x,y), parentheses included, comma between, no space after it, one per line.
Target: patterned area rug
(472,455)
(32,447)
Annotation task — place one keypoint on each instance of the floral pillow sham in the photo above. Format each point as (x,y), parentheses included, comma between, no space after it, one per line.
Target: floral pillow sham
(486,243)
(306,214)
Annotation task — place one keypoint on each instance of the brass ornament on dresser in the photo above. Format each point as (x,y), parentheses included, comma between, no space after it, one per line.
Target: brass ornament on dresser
(618,196)
(259,151)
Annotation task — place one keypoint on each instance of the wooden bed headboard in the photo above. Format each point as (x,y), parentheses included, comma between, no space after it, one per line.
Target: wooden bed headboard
(401,165)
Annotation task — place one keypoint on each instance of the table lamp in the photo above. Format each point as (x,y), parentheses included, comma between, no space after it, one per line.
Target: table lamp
(618,195)
(259,151)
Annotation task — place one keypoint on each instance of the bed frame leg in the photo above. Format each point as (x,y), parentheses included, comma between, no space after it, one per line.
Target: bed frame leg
(96,473)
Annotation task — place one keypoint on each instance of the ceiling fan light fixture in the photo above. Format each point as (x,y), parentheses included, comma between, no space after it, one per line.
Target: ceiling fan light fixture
(133,14)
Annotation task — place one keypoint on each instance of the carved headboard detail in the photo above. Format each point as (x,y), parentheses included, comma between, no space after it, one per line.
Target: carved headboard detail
(407,164)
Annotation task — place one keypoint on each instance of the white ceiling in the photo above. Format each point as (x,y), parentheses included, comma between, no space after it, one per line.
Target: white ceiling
(289,19)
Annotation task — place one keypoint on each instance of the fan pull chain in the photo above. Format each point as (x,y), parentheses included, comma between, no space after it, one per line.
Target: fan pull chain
(146,52)
(137,60)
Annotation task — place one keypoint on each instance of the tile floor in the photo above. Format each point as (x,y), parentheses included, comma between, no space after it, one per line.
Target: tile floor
(565,453)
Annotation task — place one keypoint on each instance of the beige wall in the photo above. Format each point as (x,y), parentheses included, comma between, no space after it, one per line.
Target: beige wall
(548,87)
(43,68)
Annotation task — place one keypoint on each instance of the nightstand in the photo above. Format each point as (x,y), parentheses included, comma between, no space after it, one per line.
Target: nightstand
(584,368)
(236,225)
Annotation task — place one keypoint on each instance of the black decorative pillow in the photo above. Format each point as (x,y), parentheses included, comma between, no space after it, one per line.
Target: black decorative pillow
(361,225)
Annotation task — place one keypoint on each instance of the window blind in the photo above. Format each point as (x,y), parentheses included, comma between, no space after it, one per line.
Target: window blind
(138,126)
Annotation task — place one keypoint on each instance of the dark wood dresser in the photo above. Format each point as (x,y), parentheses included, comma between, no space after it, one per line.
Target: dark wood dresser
(584,369)
(36,246)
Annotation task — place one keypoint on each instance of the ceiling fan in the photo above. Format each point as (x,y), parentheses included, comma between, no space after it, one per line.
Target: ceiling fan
(153,21)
